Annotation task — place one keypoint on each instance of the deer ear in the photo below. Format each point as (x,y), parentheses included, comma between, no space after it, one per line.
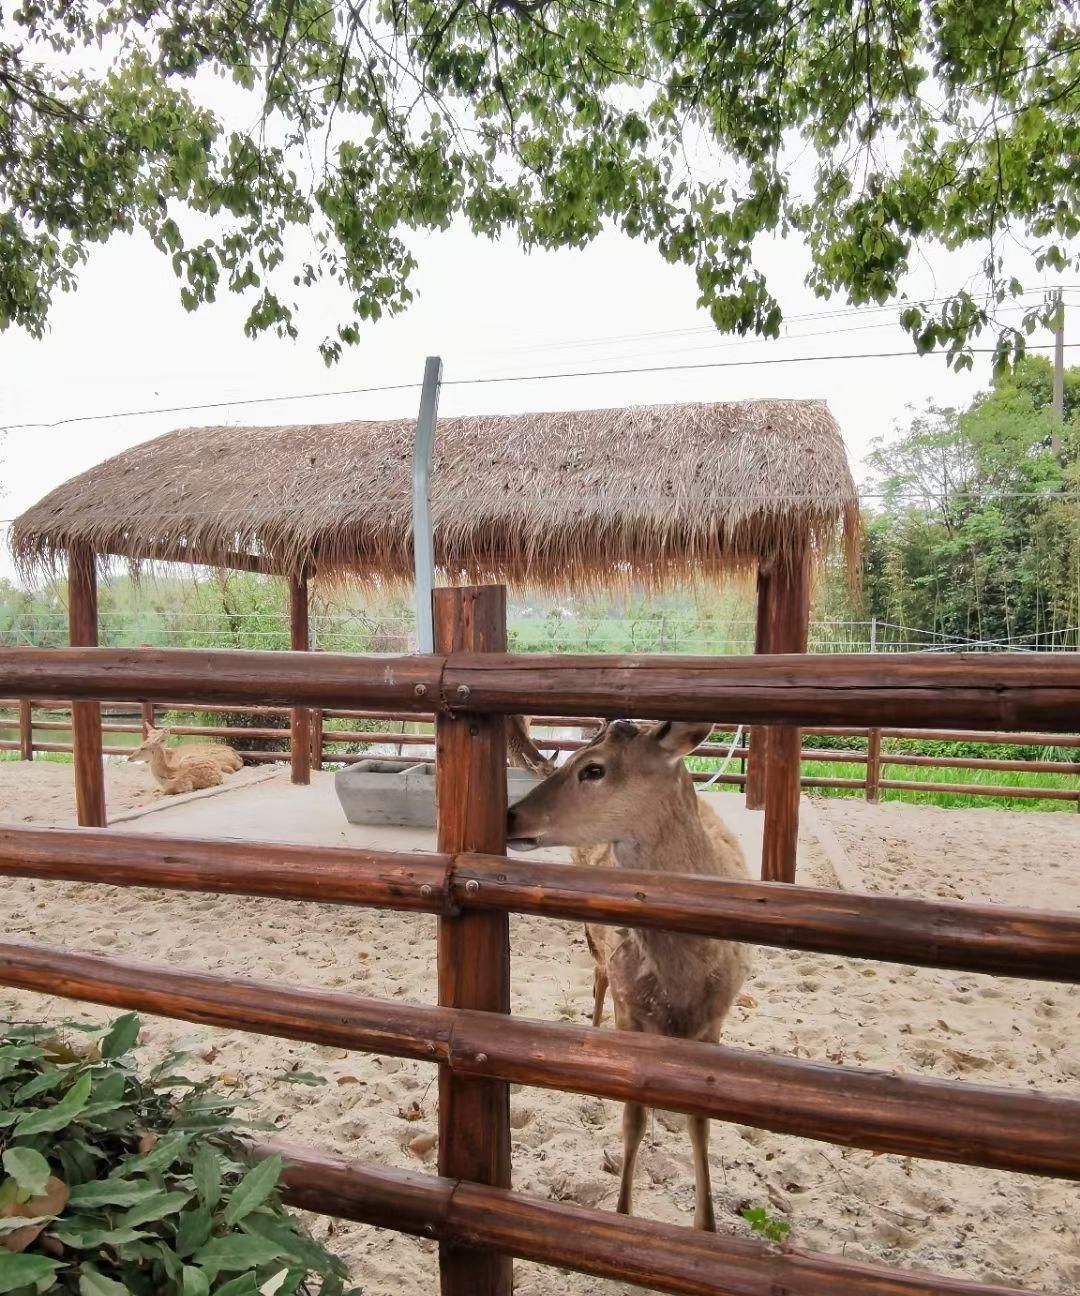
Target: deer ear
(678,738)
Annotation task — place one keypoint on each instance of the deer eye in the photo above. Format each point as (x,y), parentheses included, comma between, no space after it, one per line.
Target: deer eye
(591,772)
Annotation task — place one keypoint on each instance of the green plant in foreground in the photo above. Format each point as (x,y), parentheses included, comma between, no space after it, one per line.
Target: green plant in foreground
(770,1227)
(116,1184)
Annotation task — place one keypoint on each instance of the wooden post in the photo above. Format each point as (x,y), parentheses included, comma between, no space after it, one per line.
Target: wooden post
(26,730)
(873,764)
(759,735)
(299,641)
(148,711)
(85,716)
(474,948)
(788,617)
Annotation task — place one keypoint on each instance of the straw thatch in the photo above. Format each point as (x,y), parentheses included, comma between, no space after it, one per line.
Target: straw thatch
(658,496)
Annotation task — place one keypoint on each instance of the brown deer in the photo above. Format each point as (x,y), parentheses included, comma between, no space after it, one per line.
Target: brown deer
(179,770)
(627,796)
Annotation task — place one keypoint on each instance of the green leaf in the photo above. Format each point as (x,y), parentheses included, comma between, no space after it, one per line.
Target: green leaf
(24,1270)
(195,1282)
(60,1115)
(255,1187)
(16,1222)
(239,1251)
(92,1283)
(113,1192)
(160,1156)
(122,1036)
(302,1078)
(245,1285)
(206,1169)
(155,1208)
(91,1239)
(193,1231)
(42,1083)
(28,1168)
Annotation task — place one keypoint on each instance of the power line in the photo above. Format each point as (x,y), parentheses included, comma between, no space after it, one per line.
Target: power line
(491,379)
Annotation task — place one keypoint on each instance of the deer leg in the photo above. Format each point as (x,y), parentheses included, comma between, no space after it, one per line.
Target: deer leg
(633,1126)
(600,986)
(704,1217)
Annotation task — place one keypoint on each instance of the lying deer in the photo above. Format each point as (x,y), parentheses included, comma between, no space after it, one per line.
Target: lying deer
(185,769)
(628,796)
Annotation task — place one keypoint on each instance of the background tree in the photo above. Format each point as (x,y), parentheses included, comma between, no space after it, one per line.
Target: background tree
(867,128)
(978,532)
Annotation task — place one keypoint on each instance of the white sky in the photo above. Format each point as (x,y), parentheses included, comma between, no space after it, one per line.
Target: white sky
(123,342)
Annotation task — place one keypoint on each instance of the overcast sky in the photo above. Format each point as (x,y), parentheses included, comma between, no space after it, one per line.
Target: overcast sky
(123,342)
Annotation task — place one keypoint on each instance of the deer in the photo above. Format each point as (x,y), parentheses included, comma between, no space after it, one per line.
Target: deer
(179,770)
(626,800)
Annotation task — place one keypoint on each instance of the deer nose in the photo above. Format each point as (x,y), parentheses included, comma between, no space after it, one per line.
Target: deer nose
(511,821)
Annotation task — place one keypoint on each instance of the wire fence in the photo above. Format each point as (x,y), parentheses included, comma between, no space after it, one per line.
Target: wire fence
(558,631)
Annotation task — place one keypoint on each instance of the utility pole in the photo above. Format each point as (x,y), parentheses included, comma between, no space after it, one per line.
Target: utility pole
(1059,373)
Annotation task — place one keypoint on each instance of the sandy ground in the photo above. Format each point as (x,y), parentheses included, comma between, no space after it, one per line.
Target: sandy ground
(886,1209)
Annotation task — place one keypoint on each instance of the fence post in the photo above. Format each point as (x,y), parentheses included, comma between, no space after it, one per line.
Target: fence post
(26,730)
(788,631)
(474,947)
(148,712)
(758,735)
(873,764)
(85,716)
(299,641)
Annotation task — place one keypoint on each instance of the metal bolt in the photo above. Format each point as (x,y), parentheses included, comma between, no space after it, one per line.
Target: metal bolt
(472,886)
(463,692)
(420,690)
(481,1059)
(425,890)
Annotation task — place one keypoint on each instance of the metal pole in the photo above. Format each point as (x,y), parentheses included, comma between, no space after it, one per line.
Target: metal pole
(873,634)
(423,545)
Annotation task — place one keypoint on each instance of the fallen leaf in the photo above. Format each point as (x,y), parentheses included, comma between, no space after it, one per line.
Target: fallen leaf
(422,1144)
(146,1142)
(347,1079)
(746,1001)
(50,1203)
(411,1113)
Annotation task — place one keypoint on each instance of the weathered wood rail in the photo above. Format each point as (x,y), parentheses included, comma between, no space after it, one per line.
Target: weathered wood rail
(471,886)
(322,740)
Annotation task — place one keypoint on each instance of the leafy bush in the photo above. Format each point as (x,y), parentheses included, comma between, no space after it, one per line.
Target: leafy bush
(115,1184)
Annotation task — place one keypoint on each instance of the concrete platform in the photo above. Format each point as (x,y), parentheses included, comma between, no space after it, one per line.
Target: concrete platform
(276,810)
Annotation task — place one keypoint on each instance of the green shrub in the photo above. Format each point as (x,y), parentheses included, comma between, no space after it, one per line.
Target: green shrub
(116,1184)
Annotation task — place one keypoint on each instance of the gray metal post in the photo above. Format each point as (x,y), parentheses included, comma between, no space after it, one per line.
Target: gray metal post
(423,545)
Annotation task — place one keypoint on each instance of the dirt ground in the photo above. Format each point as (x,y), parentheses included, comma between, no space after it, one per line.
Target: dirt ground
(885,1209)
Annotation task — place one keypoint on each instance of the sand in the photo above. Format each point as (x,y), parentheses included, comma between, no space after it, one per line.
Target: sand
(885,1209)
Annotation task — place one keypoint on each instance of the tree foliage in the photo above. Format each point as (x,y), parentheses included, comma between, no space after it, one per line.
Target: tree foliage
(978,534)
(268,145)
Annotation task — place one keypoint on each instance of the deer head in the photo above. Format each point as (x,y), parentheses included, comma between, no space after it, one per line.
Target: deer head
(612,790)
(154,741)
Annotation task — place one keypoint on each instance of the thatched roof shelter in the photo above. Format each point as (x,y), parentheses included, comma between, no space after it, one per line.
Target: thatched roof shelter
(658,495)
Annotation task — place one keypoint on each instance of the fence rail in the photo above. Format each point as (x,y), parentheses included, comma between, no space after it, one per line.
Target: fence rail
(472,886)
(325,740)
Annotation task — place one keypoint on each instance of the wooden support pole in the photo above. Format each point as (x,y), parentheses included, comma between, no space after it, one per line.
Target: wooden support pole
(26,730)
(759,737)
(873,764)
(85,716)
(148,716)
(299,641)
(788,629)
(474,948)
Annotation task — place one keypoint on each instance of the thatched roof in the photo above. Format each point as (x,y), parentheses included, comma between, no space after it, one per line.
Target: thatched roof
(657,495)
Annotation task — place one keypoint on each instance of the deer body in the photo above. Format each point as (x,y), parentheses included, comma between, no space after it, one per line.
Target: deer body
(627,801)
(178,771)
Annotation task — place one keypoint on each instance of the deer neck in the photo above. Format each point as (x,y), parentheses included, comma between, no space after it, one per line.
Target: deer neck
(670,839)
(162,763)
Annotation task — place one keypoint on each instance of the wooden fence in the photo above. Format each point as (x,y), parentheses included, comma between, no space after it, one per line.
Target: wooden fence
(469,1207)
(319,742)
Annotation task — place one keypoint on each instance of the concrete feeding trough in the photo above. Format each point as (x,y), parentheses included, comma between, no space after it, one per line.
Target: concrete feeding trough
(400,794)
